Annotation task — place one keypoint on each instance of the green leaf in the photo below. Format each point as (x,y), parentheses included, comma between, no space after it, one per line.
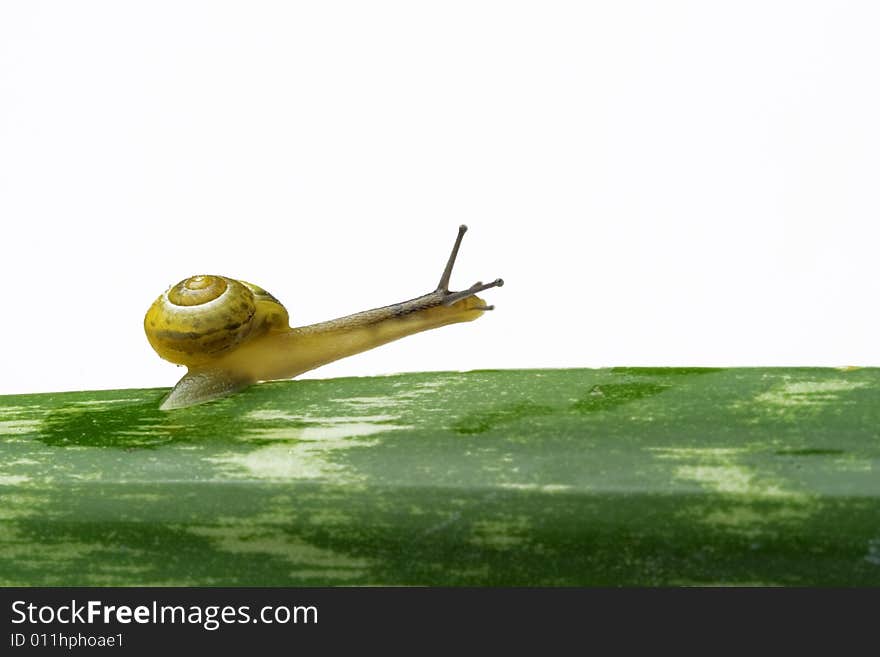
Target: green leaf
(623,476)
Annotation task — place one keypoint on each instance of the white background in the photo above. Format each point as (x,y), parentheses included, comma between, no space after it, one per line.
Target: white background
(659,183)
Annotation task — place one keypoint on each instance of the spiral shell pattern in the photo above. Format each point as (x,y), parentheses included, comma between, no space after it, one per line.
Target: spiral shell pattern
(200,317)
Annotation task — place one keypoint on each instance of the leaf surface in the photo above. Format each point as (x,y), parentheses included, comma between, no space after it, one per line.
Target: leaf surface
(621,476)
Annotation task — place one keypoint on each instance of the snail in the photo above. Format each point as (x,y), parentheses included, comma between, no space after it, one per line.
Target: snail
(231,334)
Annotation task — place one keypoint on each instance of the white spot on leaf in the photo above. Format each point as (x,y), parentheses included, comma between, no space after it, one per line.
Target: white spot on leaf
(808,393)
(16,427)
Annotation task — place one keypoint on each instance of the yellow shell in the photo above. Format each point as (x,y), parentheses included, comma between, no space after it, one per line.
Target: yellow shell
(204,316)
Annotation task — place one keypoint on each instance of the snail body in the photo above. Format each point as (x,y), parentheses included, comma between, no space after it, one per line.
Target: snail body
(231,334)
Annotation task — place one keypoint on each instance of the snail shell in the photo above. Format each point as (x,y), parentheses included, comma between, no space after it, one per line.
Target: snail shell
(205,316)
